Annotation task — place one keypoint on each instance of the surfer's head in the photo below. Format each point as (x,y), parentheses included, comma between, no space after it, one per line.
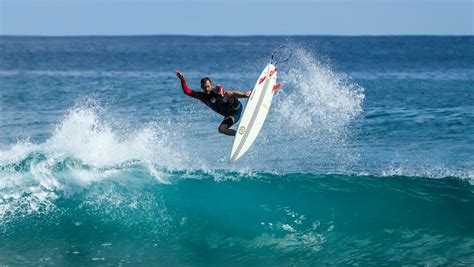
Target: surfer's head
(206,85)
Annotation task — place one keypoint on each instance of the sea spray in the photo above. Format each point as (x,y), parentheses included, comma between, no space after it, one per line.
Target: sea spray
(318,103)
(313,114)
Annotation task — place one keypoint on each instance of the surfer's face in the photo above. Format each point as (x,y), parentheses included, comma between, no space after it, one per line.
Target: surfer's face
(207,86)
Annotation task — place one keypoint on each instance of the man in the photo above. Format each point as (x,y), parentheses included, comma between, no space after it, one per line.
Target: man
(223,102)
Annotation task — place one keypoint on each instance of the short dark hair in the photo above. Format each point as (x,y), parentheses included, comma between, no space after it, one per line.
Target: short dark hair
(204,80)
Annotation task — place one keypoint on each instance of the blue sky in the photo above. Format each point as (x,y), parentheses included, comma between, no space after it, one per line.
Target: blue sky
(234,17)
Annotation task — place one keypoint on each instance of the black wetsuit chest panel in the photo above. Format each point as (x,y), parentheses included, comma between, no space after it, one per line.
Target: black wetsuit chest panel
(217,103)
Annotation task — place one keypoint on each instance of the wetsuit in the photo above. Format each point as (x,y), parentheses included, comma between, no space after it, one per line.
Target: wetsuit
(218,103)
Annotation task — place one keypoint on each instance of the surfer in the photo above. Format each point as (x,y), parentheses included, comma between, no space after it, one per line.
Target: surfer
(223,102)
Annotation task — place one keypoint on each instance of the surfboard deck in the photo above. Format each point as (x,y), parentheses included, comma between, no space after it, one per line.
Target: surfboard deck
(255,112)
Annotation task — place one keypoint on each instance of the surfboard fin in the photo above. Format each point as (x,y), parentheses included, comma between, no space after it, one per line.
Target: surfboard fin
(276,86)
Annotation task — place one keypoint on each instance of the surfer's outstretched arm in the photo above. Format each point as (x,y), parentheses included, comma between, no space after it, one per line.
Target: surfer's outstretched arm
(184,85)
(188,90)
(238,94)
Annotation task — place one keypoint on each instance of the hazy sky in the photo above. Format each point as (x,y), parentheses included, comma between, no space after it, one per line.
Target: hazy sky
(236,17)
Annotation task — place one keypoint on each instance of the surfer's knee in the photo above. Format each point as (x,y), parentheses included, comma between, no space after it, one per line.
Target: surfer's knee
(223,128)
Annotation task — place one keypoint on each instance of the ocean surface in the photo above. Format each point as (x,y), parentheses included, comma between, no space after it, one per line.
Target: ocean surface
(366,156)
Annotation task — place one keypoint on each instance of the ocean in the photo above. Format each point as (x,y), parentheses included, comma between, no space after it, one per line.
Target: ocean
(366,156)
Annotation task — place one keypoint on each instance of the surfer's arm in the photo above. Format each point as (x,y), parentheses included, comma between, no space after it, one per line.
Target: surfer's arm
(192,93)
(237,94)
(185,87)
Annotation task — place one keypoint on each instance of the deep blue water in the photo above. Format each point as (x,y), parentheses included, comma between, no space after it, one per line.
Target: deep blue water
(366,156)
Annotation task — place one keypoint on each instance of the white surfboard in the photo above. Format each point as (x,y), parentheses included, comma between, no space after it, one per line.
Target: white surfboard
(255,112)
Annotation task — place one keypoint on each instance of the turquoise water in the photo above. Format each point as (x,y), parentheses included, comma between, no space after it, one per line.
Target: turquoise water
(366,157)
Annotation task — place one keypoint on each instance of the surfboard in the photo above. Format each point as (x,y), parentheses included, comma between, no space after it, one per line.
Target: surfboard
(255,112)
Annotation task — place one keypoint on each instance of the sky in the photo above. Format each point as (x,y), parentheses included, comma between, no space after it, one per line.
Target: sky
(236,17)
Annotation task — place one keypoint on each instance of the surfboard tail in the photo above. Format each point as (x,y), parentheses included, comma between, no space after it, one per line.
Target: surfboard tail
(234,157)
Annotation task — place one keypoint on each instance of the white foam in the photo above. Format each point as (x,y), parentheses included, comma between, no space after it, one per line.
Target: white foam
(83,149)
(425,170)
(17,152)
(84,136)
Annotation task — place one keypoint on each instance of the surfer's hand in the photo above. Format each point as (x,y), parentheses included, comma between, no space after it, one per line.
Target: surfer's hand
(248,93)
(180,75)
(220,90)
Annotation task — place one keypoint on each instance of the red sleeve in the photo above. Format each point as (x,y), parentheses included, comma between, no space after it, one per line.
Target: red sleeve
(186,89)
(192,93)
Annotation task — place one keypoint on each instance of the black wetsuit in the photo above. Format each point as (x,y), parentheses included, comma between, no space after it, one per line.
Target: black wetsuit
(218,103)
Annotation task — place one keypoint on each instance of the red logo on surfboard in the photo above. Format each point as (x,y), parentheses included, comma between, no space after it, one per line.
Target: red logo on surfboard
(276,86)
(273,72)
(263,79)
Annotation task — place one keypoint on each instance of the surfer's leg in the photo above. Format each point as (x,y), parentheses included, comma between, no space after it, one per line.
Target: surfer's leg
(224,126)
(237,114)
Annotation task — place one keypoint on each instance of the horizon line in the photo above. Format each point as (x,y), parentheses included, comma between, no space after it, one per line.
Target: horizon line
(231,36)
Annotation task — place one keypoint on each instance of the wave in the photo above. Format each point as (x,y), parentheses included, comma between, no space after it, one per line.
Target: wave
(276,217)
(95,191)
(33,180)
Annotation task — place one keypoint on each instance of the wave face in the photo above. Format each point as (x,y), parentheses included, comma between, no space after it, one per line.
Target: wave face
(50,213)
(366,157)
